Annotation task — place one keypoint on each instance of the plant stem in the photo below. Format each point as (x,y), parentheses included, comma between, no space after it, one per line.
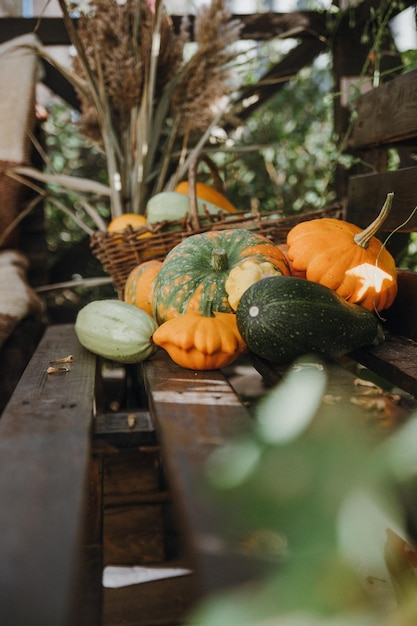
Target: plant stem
(219,260)
(207,308)
(363,238)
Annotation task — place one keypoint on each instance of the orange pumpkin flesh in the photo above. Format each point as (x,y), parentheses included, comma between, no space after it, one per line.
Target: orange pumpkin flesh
(349,260)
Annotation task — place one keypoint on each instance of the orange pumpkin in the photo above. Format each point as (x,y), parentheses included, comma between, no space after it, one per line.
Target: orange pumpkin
(140,283)
(284,249)
(208,193)
(349,260)
(201,340)
(119,223)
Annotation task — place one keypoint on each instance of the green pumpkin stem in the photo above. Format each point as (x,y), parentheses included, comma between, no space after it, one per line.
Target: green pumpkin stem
(219,260)
(207,308)
(363,238)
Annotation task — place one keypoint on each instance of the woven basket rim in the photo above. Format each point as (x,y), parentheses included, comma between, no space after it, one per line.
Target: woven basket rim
(119,252)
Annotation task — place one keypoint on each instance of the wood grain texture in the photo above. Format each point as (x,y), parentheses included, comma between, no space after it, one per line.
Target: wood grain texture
(163,602)
(133,504)
(133,535)
(387,114)
(194,412)
(367,194)
(260,26)
(401,317)
(44,465)
(395,360)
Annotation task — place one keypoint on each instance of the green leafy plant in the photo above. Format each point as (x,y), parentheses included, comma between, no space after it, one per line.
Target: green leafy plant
(316,496)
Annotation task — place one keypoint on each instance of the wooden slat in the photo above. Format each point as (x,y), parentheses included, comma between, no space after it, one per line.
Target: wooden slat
(124,429)
(50,30)
(395,359)
(345,388)
(44,465)
(260,26)
(196,411)
(193,413)
(367,194)
(256,26)
(163,602)
(401,317)
(387,114)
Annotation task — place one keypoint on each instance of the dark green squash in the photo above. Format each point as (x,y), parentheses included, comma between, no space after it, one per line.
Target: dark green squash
(282,318)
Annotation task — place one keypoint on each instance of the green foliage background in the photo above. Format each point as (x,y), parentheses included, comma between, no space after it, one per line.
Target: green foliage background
(291,171)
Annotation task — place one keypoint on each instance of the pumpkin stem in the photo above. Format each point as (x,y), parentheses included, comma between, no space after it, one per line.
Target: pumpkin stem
(206,309)
(219,260)
(363,238)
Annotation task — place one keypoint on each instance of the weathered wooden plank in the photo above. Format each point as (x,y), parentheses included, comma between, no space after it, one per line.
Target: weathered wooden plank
(124,429)
(44,465)
(51,30)
(15,354)
(367,193)
(131,473)
(196,411)
(133,535)
(395,359)
(90,580)
(193,413)
(163,602)
(401,317)
(387,114)
(347,387)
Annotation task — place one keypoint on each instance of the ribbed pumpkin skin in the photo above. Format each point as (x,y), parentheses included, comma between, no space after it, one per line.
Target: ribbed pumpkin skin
(199,341)
(116,330)
(187,277)
(140,284)
(325,250)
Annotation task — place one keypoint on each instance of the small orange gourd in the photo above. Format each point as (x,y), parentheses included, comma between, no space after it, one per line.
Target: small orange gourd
(201,340)
(119,223)
(349,260)
(140,283)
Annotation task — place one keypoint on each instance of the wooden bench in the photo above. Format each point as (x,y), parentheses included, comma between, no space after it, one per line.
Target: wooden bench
(81,488)
(45,440)
(60,524)
(75,477)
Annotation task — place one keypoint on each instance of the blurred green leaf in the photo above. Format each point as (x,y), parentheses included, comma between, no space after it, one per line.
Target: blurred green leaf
(316,496)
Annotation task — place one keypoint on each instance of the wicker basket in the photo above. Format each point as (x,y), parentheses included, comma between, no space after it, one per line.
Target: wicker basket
(119,253)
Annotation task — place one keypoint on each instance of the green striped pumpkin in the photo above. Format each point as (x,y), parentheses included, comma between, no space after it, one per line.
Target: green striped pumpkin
(196,270)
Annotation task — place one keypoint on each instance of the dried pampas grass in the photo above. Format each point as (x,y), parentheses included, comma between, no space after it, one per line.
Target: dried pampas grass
(149,108)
